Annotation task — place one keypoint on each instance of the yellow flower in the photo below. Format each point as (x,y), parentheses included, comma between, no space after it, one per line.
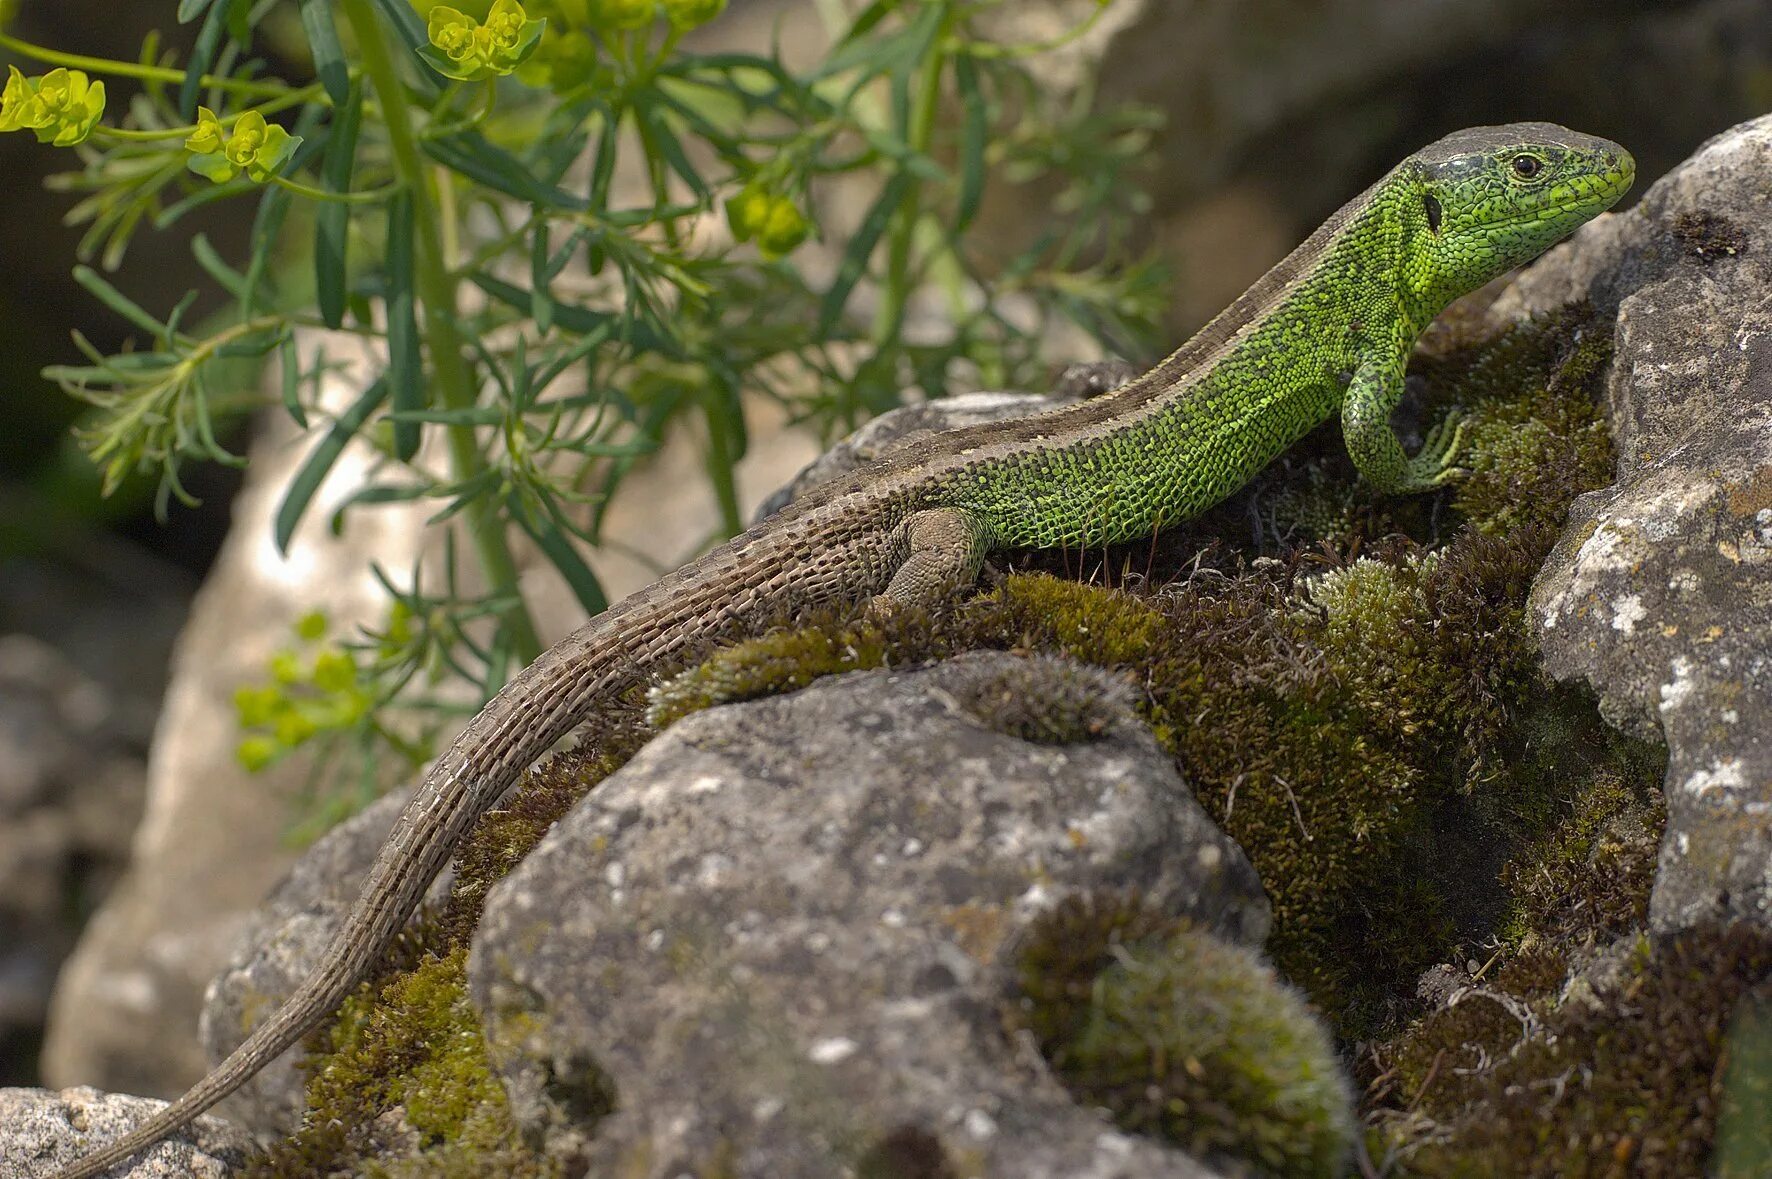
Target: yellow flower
(208,138)
(258,148)
(62,107)
(464,48)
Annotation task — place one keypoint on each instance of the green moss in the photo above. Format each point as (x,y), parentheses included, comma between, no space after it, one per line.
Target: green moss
(1044,700)
(409,1042)
(506,834)
(1364,716)
(1537,434)
(778,662)
(1626,1084)
(1183,1036)
(1588,880)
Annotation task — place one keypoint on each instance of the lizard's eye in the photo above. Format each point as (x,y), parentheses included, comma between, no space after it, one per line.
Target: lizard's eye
(1432,204)
(1526,167)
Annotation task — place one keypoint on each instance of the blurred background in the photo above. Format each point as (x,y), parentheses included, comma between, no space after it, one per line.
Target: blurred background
(1272,113)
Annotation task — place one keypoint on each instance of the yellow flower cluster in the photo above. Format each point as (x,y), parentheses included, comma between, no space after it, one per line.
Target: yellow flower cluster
(467,49)
(62,107)
(254,146)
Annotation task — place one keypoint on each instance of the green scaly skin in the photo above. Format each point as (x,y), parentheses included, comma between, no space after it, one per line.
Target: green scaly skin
(1329,329)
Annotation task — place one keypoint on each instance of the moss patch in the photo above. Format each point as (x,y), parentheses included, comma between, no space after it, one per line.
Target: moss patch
(1627,1083)
(1182,1036)
(1348,685)
(402,1074)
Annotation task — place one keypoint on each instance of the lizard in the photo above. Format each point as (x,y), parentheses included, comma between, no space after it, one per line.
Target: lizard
(1327,330)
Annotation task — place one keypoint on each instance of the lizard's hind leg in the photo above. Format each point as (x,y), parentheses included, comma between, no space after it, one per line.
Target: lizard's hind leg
(944,550)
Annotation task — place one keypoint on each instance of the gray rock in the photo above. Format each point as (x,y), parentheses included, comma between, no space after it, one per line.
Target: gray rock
(71,771)
(776,933)
(280,945)
(1659,593)
(42,1131)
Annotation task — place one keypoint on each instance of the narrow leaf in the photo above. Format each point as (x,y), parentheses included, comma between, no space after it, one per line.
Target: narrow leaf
(663,140)
(474,157)
(411,31)
(332,222)
(190,10)
(209,39)
(541,302)
(319,461)
(974,131)
(117,301)
(272,208)
(329,57)
(289,357)
(861,248)
(405,366)
(561,553)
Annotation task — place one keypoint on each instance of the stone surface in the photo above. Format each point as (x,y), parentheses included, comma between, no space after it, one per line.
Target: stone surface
(1659,594)
(281,943)
(71,770)
(41,1131)
(778,932)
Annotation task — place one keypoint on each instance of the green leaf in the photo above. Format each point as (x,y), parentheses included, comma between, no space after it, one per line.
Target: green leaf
(272,208)
(578,320)
(476,415)
(411,31)
(860,249)
(239,20)
(563,555)
(209,39)
(190,10)
(225,276)
(541,302)
(319,462)
(1744,1133)
(603,169)
(661,139)
(329,57)
(405,364)
(289,358)
(974,131)
(332,221)
(117,301)
(469,153)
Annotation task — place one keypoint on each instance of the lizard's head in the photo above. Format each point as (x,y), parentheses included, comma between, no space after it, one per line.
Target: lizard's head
(1487,199)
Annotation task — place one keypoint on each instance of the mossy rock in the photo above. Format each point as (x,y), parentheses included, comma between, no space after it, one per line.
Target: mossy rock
(1183,1036)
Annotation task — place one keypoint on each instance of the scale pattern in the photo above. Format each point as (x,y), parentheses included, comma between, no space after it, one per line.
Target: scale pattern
(1329,327)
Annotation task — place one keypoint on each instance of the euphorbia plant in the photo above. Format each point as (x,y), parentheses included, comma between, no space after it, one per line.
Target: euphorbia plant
(439,181)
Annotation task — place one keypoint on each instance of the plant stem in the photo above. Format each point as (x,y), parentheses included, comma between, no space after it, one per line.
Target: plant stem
(889,320)
(368,196)
(436,290)
(147,73)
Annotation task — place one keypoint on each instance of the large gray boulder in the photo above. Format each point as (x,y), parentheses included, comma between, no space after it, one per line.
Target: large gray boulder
(42,1131)
(1659,594)
(777,933)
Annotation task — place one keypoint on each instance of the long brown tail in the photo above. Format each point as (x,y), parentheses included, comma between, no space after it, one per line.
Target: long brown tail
(535,710)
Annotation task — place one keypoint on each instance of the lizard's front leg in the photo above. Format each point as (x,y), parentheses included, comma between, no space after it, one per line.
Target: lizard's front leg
(1372,444)
(944,549)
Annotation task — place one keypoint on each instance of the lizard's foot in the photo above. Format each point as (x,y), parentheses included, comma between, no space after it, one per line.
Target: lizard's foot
(1433,465)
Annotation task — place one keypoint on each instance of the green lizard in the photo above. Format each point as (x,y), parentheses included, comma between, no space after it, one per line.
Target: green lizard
(1327,330)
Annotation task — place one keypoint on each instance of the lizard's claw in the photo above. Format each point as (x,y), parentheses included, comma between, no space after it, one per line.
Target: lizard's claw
(1432,466)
